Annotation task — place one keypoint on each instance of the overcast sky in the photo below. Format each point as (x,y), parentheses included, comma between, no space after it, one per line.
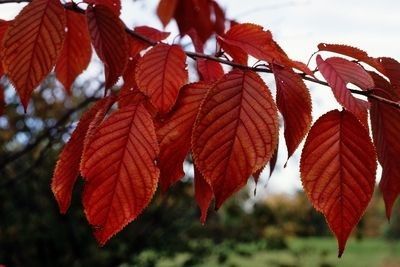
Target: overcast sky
(298,26)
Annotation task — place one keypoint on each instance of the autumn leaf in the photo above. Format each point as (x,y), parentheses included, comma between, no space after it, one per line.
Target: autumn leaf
(338,166)
(32,45)
(195,14)
(253,40)
(109,40)
(120,170)
(203,194)
(208,70)
(391,70)
(353,52)
(160,73)
(175,131)
(113,5)
(150,33)
(235,133)
(166,10)
(77,51)
(334,72)
(67,168)
(385,125)
(294,102)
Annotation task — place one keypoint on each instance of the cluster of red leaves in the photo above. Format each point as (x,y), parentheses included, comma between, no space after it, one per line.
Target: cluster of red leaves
(228,122)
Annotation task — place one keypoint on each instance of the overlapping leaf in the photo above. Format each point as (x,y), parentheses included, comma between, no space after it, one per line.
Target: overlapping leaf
(120,170)
(338,72)
(391,70)
(353,52)
(385,125)
(76,53)
(253,40)
(294,102)
(3,28)
(109,40)
(67,168)
(203,194)
(150,33)
(235,132)
(208,70)
(174,133)
(338,165)
(32,44)
(113,5)
(160,74)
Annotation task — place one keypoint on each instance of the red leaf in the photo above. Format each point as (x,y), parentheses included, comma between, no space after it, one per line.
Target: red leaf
(113,5)
(120,170)
(166,10)
(219,23)
(253,40)
(153,34)
(208,70)
(294,102)
(385,124)
(391,70)
(109,40)
(203,194)
(338,166)
(338,73)
(235,133)
(67,168)
(32,44)
(93,126)
(174,133)
(3,28)
(160,74)
(194,14)
(353,52)
(77,51)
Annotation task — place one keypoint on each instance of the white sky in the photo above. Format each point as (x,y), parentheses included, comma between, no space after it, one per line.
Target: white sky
(298,26)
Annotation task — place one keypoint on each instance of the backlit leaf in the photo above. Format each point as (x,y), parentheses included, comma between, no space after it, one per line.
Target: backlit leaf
(391,70)
(166,10)
(174,133)
(77,51)
(153,34)
(235,133)
(113,5)
(353,52)
(32,44)
(385,125)
(109,40)
(338,74)
(160,74)
(294,102)
(338,166)
(67,168)
(120,170)
(202,193)
(253,40)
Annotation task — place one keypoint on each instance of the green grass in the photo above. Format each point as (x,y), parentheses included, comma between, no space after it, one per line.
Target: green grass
(318,252)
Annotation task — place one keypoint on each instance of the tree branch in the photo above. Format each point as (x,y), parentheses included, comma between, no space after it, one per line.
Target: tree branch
(194,55)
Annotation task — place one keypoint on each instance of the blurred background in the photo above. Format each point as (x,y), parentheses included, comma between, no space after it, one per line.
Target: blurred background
(275,227)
